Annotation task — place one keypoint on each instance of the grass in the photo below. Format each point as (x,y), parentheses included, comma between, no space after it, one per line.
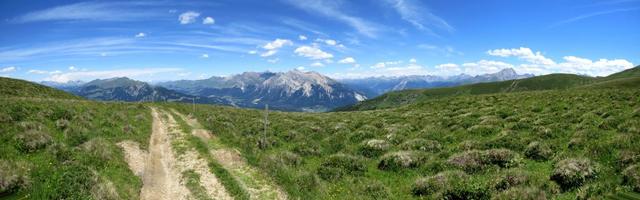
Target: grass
(61,149)
(193,184)
(626,79)
(524,132)
(20,88)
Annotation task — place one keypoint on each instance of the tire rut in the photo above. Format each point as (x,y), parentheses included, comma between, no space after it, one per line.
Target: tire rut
(161,168)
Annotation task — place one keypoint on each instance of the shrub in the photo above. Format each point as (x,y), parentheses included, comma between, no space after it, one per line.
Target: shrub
(374,189)
(469,161)
(32,140)
(483,129)
(13,176)
(62,124)
(538,151)
(100,149)
(468,145)
(421,145)
(285,158)
(338,165)
(438,182)
(632,177)
(373,148)
(573,172)
(510,179)
(502,157)
(399,160)
(474,160)
(523,193)
(307,149)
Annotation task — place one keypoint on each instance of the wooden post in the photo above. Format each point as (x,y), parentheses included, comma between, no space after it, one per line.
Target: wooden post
(266,122)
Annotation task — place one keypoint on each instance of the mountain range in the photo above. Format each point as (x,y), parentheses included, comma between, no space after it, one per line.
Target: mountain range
(290,91)
(375,86)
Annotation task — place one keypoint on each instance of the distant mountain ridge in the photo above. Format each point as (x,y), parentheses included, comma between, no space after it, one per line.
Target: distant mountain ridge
(126,89)
(292,90)
(375,86)
(629,78)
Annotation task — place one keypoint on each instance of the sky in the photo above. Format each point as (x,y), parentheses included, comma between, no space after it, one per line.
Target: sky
(170,40)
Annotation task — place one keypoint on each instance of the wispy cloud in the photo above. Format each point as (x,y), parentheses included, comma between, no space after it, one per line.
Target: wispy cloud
(419,16)
(90,75)
(94,11)
(8,69)
(332,9)
(594,14)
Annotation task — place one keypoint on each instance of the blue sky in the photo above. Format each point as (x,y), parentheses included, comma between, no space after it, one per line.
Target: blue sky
(169,40)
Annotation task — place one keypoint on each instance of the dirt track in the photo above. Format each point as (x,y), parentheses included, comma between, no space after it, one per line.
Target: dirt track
(160,169)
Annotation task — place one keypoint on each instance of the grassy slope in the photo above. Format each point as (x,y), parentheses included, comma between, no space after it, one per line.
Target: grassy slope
(66,149)
(602,125)
(19,88)
(546,82)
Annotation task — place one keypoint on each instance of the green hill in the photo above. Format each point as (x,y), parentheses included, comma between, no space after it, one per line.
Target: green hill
(19,88)
(626,79)
(546,82)
(633,72)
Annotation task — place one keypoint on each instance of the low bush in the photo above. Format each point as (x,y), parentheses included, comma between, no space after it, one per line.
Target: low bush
(437,183)
(502,157)
(400,160)
(523,193)
(32,140)
(374,147)
(13,176)
(538,151)
(469,161)
(474,160)
(573,172)
(632,177)
(374,190)
(421,145)
(100,149)
(338,165)
(511,179)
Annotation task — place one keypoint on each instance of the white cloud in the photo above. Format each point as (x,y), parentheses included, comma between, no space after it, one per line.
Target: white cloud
(347,60)
(330,42)
(205,55)
(414,13)
(302,37)
(208,20)
(276,44)
(139,35)
(300,68)
(35,71)
(538,64)
(252,52)
(317,64)
(89,75)
(269,53)
(188,17)
(8,69)
(272,47)
(381,65)
(183,74)
(484,67)
(312,52)
(413,60)
(332,10)
(522,53)
(73,68)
